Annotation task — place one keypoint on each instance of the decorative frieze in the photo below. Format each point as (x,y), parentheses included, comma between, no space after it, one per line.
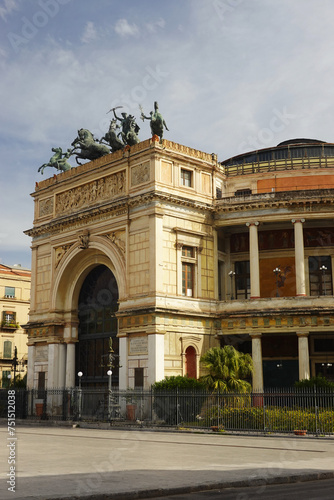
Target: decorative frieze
(293,322)
(91,193)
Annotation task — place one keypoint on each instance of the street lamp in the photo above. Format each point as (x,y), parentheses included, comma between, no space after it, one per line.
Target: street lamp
(323,269)
(231,275)
(109,373)
(80,395)
(276,271)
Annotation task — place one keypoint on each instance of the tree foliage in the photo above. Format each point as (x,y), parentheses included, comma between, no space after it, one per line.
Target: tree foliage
(227,370)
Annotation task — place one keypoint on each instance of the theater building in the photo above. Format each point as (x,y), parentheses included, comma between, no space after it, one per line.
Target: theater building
(145,258)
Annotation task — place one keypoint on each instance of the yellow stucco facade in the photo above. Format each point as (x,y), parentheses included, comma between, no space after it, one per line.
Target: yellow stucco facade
(170,253)
(14,305)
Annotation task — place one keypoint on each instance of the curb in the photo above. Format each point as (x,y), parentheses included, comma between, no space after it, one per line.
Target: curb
(142,494)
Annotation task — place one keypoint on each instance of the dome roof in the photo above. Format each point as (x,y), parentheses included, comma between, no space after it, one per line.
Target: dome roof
(300,141)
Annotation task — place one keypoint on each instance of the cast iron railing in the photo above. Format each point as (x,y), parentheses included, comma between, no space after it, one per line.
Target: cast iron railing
(276,411)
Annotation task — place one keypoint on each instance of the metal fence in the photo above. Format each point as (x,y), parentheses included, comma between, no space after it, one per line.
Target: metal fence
(275,411)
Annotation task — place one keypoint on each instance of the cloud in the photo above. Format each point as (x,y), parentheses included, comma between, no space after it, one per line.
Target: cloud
(156,26)
(90,33)
(123,28)
(7,7)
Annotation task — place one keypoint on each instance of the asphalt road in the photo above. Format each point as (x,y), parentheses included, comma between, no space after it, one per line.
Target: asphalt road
(65,462)
(309,490)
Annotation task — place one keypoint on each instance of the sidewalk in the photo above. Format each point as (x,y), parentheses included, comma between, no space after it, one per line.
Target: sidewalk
(60,462)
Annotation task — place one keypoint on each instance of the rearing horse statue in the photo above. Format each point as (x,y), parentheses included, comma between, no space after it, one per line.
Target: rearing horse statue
(90,148)
(58,160)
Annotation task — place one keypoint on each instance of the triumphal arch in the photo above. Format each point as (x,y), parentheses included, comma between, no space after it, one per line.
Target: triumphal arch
(124,257)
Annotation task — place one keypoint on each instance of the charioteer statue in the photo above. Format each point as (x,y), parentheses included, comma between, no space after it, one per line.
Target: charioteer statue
(129,127)
(85,146)
(157,122)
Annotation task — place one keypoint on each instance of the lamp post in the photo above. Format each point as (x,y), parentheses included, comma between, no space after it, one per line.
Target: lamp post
(80,395)
(231,275)
(15,363)
(323,269)
(276,271)
(9,377)
(109,373)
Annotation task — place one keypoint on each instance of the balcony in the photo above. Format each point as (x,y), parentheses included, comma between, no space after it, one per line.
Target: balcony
(277,196)
(274,306)
(5,325)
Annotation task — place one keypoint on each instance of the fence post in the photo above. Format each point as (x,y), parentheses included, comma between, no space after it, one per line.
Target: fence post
(316,410)
(177,406)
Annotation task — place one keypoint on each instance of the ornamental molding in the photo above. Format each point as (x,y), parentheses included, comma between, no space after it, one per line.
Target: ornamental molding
(140,174)
(83,237)
(118,239)
(45,207)
(60,253)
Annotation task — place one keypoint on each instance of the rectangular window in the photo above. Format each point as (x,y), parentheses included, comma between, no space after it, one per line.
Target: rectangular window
(186,177)
(187,279)
(320,272)
(242,279)
(324,345)
(139,378)
(5,379)
(7,349)
(9,318)
(188,251)
(243,192)
(9,292)
(41,385)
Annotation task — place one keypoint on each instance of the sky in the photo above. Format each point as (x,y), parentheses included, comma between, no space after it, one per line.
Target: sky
(230,76)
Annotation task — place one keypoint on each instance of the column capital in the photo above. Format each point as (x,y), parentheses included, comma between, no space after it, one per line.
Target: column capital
(302,334)
(256,223)
(255,335)
(297,220)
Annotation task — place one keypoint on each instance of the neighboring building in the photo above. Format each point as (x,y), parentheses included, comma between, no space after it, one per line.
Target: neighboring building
(168,252)
(14,304)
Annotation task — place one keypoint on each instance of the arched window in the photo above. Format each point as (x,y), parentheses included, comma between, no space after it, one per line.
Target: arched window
(191,369)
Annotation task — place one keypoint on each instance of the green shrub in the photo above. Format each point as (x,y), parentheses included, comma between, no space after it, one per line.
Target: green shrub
(319,382)
(178,399)
(178,382)
(270,419)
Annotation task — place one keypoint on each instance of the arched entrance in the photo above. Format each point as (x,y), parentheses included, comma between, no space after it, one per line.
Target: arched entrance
(98,302)
(191,362)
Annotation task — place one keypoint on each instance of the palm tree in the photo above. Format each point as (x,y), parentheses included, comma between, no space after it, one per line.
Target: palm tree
(227,370)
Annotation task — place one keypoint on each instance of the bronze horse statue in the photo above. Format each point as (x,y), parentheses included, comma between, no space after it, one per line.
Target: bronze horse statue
(58,160)
(90,148)
(111,137)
